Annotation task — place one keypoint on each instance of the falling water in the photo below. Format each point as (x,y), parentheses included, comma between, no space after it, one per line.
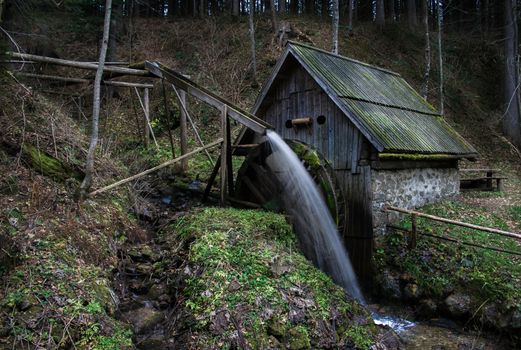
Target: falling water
(316,230)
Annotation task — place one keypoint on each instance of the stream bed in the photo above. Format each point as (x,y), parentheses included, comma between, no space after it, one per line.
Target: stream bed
(434,334)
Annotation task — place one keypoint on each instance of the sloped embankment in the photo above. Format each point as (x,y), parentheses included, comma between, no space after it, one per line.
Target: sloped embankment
(247,285)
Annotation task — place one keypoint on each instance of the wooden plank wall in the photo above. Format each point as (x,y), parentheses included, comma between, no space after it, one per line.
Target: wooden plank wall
(298,96)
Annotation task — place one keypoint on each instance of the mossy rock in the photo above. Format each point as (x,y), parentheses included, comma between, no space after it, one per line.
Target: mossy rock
(48,165)
(298,338)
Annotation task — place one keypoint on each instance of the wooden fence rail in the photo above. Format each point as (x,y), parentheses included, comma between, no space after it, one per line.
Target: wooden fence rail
(414,230)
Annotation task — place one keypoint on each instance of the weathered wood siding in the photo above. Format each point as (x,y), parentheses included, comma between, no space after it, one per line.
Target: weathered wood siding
(299,96)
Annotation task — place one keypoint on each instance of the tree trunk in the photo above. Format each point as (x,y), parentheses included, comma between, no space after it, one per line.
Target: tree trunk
(236,7)
(172,8)
(1,9)
(440,58)
(89,167)
(380,14)
(335,26)
(511,119)
(425,89)
(390,12)
(252,41)
(274,24)
(350,18)
(411,13)
(309,7)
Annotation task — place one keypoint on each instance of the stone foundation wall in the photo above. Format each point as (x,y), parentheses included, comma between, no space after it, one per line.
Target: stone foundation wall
(409,188)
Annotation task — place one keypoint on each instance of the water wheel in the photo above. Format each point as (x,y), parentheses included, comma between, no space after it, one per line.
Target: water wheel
(256,183)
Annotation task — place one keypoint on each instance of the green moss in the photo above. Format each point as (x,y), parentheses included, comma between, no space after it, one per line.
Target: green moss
(439,266)
(308,155)
(48,165)
(250,259)
(414,156)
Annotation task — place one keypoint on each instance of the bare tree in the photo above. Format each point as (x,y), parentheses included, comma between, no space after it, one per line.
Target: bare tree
(511,118)
(411,13)
(252,40)
(380,14)
(440,57)
(274,22)
(350,17)
(335,26)
(89,168)
(426,75)
(236,7)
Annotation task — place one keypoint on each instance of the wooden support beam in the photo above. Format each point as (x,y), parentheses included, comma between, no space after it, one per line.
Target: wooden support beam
(183,83)
(224,153)
(79,65)
(209,185)
(167,113)
(151,170)
(229,163)
(183,106)
(146,109)
(454,222)
(82,80)
(183,130)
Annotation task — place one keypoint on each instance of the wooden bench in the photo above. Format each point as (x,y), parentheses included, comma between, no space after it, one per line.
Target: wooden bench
(484,183)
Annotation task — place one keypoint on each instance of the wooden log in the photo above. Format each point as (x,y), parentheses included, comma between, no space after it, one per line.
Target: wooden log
(82,80)
(183,130)
(77,64)
(94,62)
(151,170)
(454,222)
(480,170)
(224,153)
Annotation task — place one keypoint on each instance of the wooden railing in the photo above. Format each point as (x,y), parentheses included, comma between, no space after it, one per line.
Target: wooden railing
(414,230)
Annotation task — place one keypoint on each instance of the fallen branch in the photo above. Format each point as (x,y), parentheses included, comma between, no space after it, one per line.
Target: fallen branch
(151,170)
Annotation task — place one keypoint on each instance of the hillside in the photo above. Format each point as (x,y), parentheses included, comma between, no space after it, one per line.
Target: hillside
(89,274)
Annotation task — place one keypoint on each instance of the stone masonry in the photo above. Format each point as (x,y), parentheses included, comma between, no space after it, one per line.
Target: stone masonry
(409,188)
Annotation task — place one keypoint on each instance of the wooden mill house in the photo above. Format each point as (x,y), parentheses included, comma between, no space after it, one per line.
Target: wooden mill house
(384,143)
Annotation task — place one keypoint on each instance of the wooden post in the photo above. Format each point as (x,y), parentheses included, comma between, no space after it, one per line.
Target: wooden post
(414,232)
(489,180)
(224,153)
(167,120)
(183,130)
(229,165)
(146,102)
(500,186)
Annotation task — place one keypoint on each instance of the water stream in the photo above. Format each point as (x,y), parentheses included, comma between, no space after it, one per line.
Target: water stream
(316,230)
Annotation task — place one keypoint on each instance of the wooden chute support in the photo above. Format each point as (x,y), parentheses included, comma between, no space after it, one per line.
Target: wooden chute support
(182,87)
(226,154)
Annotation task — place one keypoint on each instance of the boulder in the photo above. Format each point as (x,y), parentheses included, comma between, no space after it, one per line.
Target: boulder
(458,305)
(143,319)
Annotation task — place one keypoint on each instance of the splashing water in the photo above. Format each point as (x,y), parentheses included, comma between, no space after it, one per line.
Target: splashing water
(316,230)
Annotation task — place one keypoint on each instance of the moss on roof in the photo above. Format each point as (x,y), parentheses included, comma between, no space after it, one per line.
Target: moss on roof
(385,107)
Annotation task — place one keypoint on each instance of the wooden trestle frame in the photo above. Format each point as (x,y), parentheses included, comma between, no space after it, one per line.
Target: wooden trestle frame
(181,85)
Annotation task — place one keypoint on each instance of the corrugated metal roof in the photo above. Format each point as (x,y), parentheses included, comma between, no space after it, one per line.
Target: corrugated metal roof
(382,104)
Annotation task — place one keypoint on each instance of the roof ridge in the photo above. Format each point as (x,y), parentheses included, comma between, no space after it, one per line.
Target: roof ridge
(292,42)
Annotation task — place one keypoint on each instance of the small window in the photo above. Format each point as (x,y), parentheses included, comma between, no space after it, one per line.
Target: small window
(289,124)
(321,119)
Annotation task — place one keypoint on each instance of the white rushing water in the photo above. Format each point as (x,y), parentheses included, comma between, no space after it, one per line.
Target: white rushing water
(316,230)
